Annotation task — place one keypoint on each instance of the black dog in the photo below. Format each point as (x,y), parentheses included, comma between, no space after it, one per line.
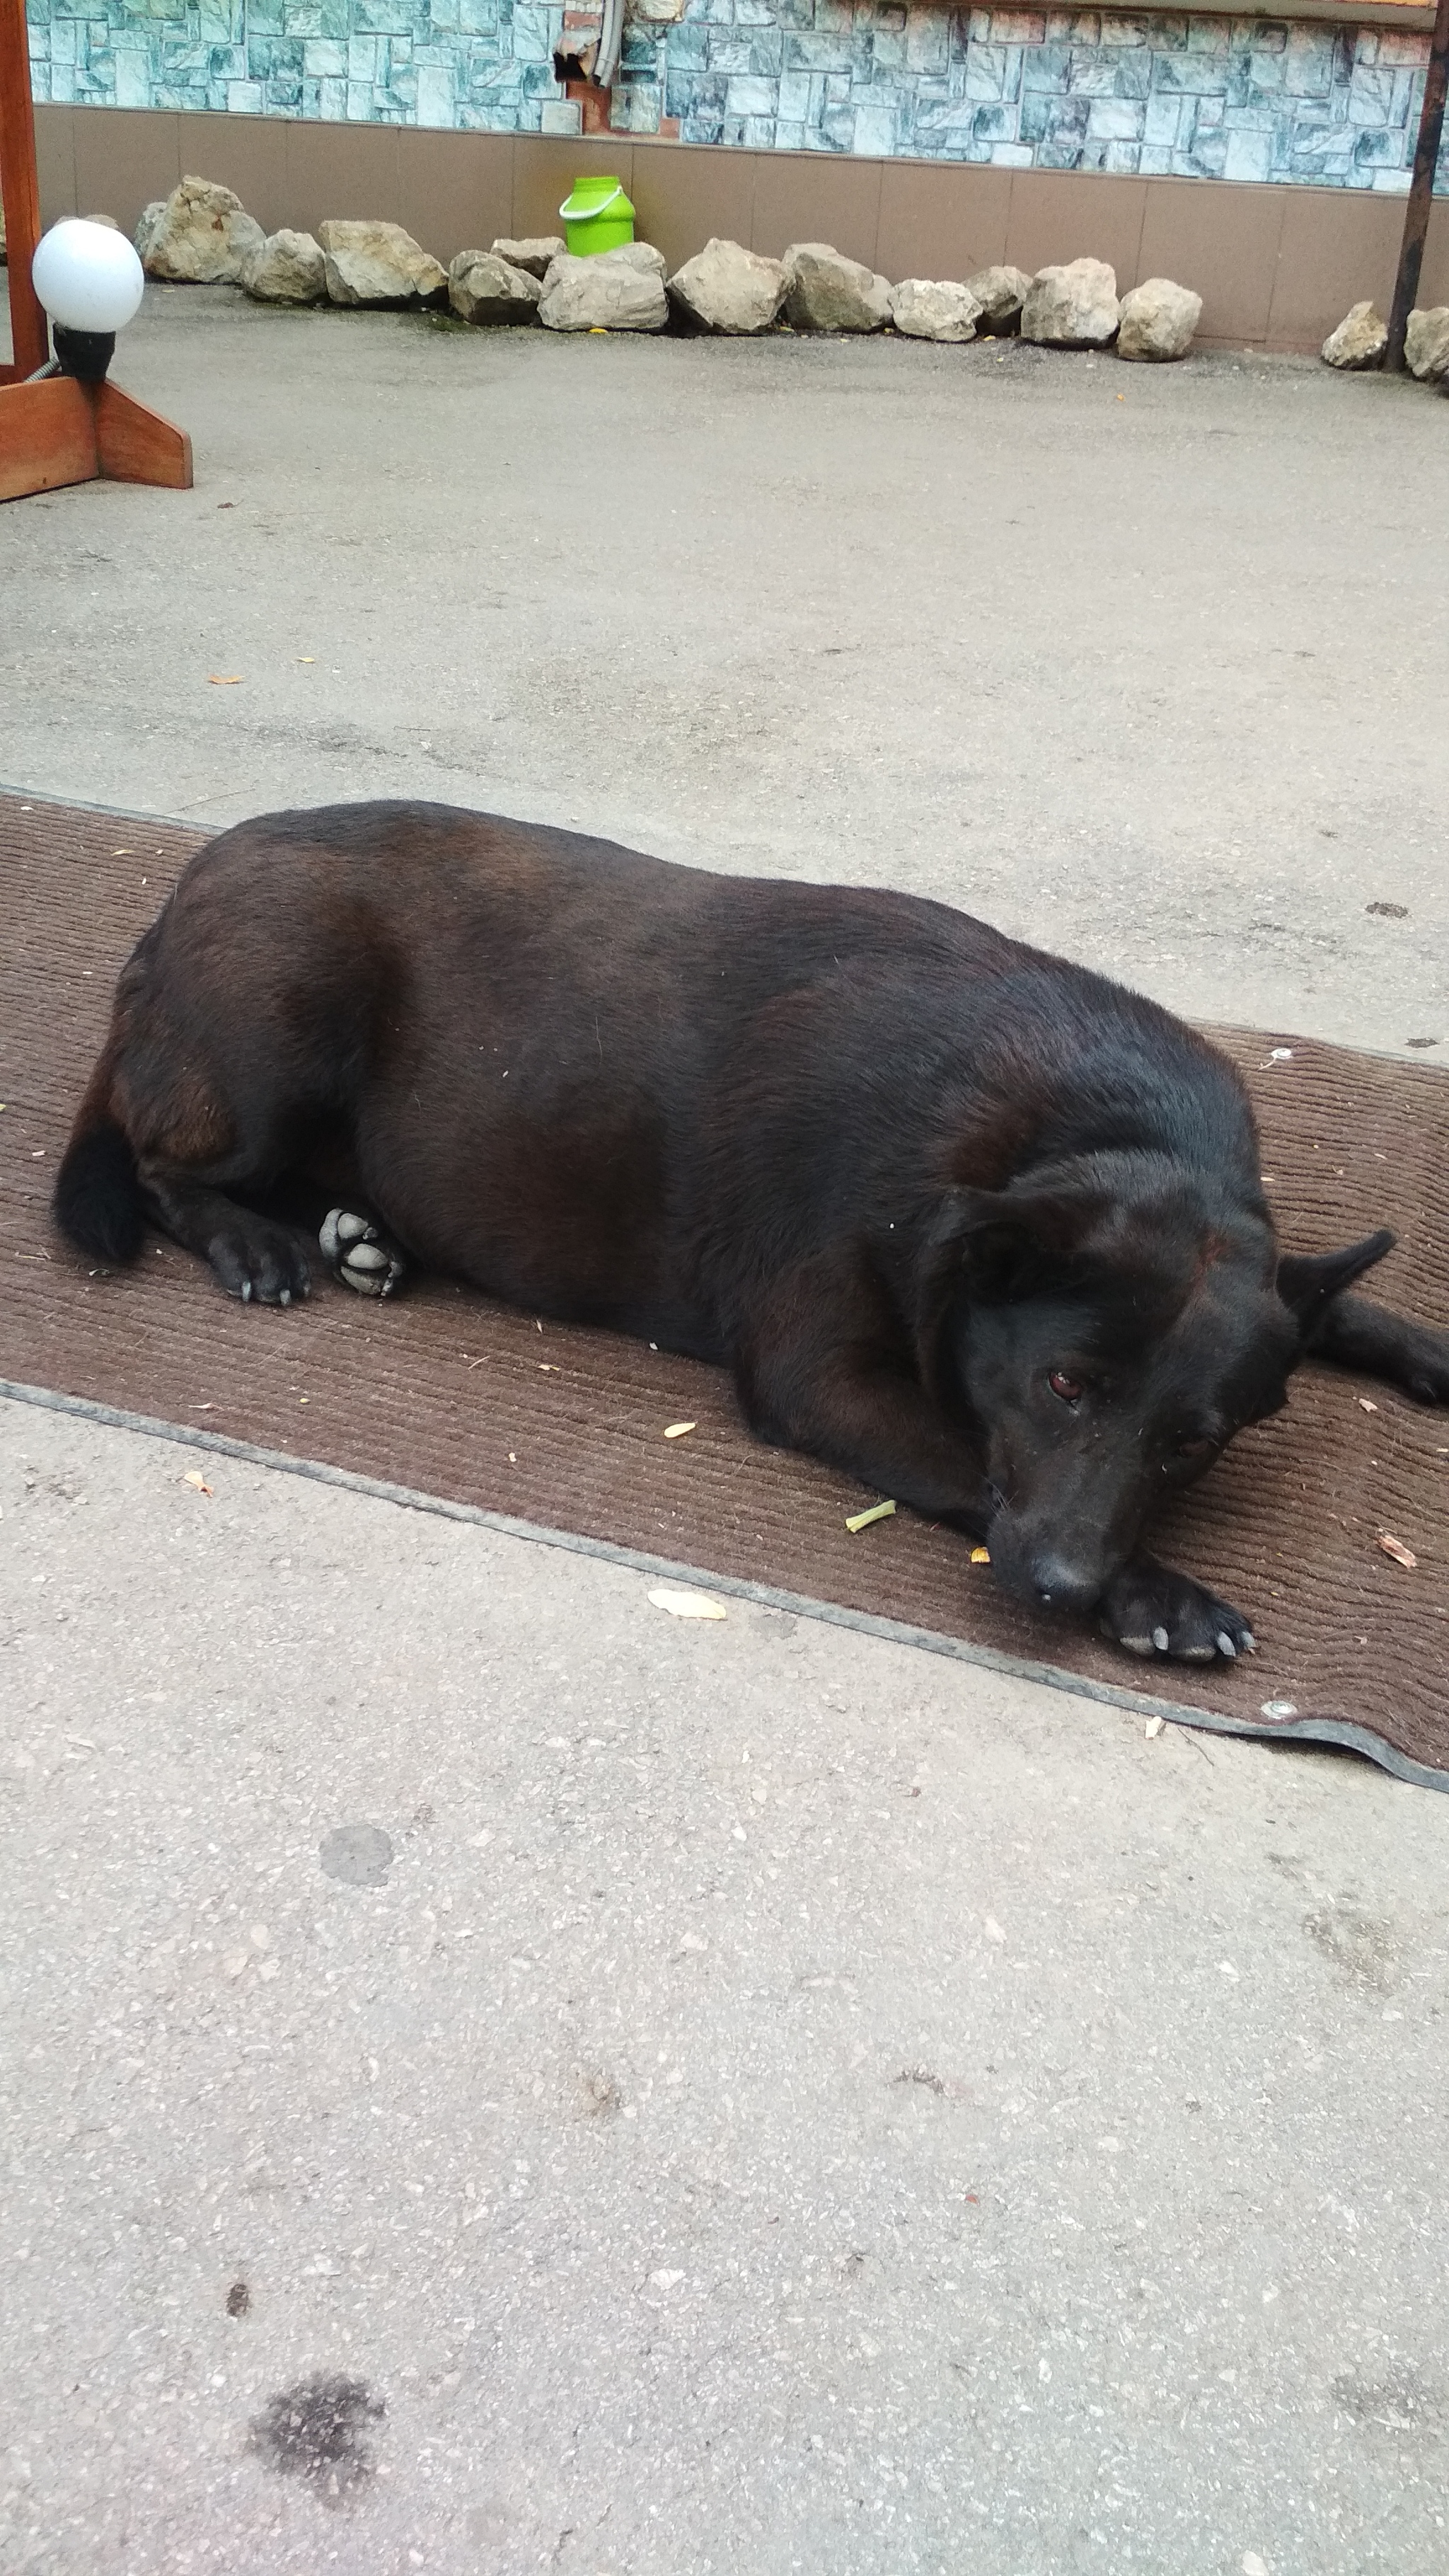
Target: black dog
(978,1227)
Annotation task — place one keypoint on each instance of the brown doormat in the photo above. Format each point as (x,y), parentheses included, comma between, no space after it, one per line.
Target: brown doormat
(450,1396)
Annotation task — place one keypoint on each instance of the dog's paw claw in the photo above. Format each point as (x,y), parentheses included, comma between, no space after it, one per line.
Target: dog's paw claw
(1150,1609)
(359,1253)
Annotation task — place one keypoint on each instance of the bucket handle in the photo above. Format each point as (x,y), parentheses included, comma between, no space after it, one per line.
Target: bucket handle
(600,209)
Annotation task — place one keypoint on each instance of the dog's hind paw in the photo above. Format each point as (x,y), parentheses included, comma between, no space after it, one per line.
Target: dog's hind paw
(358,1252)
(1151,1610)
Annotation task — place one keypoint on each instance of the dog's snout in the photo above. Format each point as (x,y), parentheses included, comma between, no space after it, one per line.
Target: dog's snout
(1061,1586)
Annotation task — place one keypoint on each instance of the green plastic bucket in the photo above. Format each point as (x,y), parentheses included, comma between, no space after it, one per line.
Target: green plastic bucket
(597,216)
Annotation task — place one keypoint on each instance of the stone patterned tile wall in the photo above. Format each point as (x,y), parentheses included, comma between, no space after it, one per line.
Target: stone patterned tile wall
(1160,95)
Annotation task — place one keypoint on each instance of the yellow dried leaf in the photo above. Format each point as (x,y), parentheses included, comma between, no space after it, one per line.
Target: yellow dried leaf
(686,1605)
(1395,1548)
(862,1520)
(225,679)
(981,1556)
(199,1482)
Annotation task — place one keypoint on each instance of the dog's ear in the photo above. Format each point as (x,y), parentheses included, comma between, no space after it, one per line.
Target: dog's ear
(995,1245)
(1006,1243)
(1307,1281)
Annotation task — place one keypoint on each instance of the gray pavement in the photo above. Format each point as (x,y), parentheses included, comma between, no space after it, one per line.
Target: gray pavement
(789,2102)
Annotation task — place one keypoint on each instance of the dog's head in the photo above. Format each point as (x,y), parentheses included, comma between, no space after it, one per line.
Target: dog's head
(1105,1328)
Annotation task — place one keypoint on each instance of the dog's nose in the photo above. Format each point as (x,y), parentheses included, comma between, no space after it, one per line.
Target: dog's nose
(1060,1586)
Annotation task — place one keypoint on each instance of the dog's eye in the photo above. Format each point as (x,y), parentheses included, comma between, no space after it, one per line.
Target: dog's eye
(1068,1388)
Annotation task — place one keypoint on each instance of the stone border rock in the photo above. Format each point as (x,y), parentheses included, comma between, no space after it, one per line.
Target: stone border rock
(203,233)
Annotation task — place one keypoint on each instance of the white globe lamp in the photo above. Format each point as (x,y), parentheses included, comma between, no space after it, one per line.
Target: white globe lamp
(90,282)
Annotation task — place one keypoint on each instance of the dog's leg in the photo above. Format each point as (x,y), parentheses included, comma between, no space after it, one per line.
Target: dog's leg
(882,1430)
(253,1257)
(1151,1609)
(821,1386)
(1357,1334)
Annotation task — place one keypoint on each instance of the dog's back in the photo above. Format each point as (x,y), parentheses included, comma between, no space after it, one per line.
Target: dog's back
(652,1076)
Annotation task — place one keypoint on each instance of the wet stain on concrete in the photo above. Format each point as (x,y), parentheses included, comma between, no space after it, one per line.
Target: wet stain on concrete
(358,1855)
(1402,2401)
(320,2430)
(1361,1946)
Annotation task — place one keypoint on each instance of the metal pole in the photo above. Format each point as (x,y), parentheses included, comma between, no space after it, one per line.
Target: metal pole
(29,330)
(1421,189)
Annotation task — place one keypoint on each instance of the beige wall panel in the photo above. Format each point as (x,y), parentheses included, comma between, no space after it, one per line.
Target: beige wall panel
(816,196)
(1223,243)
(941,222)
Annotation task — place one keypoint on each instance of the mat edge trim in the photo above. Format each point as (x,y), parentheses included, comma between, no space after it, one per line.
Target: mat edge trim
(1339,1732)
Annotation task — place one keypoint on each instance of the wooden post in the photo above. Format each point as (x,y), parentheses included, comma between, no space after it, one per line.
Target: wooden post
(58,431)
(1421,190)
(28,328)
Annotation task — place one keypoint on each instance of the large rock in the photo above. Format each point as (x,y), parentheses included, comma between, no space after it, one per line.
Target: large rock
(1000,294)
(533,254)
(934,311)
(1074,307)
(731,289)
(1426,343)
(636,254)
(1158,320)
(1359,341)
(484,288)
(377,263)
(615,291)
(146,224)
(202,236)
(290,268)
(825,291)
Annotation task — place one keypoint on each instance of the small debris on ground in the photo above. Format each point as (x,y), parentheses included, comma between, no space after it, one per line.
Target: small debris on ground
(198,1482)
(1153,1727)
(981,1556)
(677,1430)
(686,1605)
(857,1521)
(1395,1548)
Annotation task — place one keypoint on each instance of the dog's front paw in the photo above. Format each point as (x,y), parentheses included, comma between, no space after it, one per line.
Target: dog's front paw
(1151,1609)
(359,1253)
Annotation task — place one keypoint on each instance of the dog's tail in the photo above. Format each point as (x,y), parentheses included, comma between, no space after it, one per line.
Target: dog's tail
(97,1200)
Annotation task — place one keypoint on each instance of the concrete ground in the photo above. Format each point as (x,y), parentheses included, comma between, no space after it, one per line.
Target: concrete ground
(773,2100)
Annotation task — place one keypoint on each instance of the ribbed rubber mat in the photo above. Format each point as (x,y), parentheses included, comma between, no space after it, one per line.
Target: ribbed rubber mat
(454,1396)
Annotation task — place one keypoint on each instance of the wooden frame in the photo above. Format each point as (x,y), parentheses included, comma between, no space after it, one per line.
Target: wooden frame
(54,429)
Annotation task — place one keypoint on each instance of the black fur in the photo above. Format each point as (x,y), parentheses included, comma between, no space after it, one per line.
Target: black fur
(98,1199)
(982,1229)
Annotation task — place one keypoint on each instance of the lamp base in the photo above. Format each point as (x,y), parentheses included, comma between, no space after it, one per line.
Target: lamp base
(59,430)
(84,354)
